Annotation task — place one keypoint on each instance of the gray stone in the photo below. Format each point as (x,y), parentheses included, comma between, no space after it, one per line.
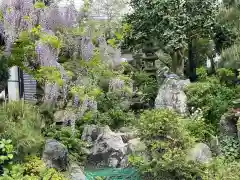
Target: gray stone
(55,155)
(91,132)
(108,150)
(172,96)
(228,124)
(135,146)
(127,133)
(58,116)
(76,172)
(200,153)
(111,149)
(65,117)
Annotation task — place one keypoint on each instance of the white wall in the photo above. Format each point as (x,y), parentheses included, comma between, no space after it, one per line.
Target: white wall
(13,84)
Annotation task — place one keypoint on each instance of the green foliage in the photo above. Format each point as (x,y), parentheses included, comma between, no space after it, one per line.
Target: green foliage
(198,127)
(116,118)
(21,123)
(76,147)
(48,74)
(212,97)
(172,24)
(147,86)
(4,74)
(39,5)
(230,57)
(201,73)
(51,40)
(225,76)
(6,151)
(32,169)
(167,142)
(23,50)
(220,169)
(229,147)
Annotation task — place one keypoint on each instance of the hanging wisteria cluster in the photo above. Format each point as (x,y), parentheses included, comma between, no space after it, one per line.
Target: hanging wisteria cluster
(15,19)
(87,104)
(20,15)
(116,84)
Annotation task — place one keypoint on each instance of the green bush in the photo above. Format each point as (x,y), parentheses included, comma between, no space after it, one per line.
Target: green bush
(116,118)
(198,127)
(201,73)
(6,151)
(229,147)
(212,97)
(21,123)
(220,169)
(167,142)
(76,147)
(4,74)
(32,169)
(147,85)
(225,76)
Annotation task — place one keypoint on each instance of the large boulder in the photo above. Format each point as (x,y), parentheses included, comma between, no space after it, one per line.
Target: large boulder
(171,94)
(200,153)
(55,155)
(108,150)
(228,124)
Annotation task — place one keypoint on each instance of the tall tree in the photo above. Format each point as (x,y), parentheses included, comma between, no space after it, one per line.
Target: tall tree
(174,24)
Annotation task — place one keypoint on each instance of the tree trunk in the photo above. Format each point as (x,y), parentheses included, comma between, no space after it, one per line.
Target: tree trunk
(191,62)
(177,63)
(213,70)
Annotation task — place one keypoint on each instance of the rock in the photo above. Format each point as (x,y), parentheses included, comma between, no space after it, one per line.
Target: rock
(55,155)
(76,172)
(135,146)
(108,147)
(228,124)
(215,145)
(125,130)
(108,150)
(172,96)
(64,117)
(91,132)
(127,134)
(200,153)
(58,116)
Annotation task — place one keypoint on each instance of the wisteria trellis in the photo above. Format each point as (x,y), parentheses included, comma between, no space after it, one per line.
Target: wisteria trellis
(20,15)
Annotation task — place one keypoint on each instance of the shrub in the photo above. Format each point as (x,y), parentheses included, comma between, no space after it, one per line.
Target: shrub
(4,74)
(21,123)
(201,73)
(198,127)
(211,97)
(32,169)
(219,168)
(6,153)
(147,85)
(226,76)
(229,147)
(76,147)
(116,118)
(167,142)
